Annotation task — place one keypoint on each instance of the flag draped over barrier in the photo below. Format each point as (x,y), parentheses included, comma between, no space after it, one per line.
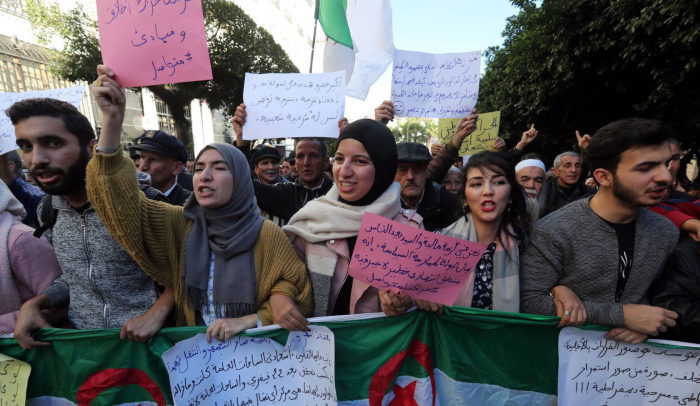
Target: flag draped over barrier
(466,355)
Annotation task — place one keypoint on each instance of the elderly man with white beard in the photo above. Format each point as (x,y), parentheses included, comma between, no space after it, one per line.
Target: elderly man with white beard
(530,173)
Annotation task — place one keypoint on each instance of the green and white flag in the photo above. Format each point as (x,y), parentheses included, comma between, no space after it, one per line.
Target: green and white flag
(360,41)
(467,356)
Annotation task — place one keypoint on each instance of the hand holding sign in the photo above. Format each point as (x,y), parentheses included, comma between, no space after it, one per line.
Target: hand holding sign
(423,265)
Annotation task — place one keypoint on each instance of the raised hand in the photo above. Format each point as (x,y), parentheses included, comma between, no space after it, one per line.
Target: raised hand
(109,95)
(499,144)
(238,121)
(342,123)
(528,137)
(465,127)
(583,141)
(385,112)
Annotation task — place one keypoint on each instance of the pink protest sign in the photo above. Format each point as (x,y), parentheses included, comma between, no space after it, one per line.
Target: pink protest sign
(424,265)
(151,42)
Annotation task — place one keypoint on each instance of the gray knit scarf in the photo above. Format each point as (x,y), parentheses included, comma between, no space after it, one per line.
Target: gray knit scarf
(230,232)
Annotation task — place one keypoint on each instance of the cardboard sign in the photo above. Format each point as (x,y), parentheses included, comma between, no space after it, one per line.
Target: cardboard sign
(424,265)
(148,42)
(487,128)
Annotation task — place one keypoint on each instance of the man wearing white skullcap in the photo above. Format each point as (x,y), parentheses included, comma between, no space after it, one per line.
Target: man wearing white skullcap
(530,174)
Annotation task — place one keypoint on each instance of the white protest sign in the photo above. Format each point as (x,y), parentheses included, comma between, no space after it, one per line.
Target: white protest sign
(596,371)
(72,95)
(435,85)
(293,105)
(254,371)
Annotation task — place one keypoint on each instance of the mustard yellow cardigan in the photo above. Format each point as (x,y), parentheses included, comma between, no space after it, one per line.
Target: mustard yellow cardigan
(154,234)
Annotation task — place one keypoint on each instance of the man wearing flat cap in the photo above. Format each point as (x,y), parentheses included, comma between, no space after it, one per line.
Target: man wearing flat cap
(437,205)
(266,164)
(163,157)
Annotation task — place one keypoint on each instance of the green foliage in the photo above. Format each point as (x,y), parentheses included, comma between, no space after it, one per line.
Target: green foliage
(236,46)
(580,64)
(414,129)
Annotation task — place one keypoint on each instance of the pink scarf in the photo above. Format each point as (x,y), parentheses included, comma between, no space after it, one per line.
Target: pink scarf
(11,213)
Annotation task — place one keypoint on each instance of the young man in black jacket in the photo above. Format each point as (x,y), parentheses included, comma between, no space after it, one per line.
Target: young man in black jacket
(284,199)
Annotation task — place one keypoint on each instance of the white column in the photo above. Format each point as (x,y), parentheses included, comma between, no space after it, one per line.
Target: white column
(150,113)
(207,124)
(197,133)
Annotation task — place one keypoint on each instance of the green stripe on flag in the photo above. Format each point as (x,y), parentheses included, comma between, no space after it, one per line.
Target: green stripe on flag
(331,15)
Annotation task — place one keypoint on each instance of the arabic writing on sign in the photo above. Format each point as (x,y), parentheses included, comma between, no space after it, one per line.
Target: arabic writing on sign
(481,139)
(72,95)
(14,376)
(254,371)
(425,265)
(150,42)
(293,104)
(435,85)
(596,371)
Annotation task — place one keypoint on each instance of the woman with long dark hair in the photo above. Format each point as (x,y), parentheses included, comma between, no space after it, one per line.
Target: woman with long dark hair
(496,216)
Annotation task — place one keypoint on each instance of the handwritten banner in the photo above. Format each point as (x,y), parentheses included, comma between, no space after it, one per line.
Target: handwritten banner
(254,371)
(14,376)
(72,95)
(596,371)
(293,105)
(487,128)
(424,265)
(435,85)
(148,42)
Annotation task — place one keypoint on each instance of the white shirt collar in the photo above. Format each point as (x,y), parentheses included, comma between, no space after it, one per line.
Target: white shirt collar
(167,192)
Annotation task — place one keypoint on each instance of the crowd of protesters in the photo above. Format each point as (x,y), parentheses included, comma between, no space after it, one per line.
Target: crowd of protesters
(242,237)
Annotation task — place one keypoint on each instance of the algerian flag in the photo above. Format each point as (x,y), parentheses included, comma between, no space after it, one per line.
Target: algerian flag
(467,356)
(360,41)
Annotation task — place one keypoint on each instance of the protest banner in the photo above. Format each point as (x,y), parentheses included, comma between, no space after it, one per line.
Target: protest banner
(435,85)
(465,354)
(424,265)
(293,105)
(14,376)
(254,371)
(154,42)
(72,95)
(487,128)
(596,371)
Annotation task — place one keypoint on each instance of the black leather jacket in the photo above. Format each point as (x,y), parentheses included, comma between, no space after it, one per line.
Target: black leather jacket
(678,289)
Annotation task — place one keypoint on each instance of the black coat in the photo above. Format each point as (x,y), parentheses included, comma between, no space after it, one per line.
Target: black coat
(178,196)
(555,199)
(285,199)
(678,289)
(439,207)
(184,179)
